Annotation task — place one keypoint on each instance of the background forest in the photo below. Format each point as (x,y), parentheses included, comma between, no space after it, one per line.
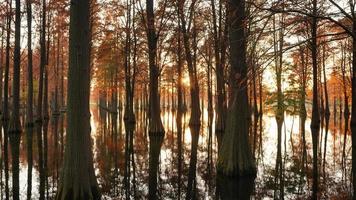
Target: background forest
(194,99)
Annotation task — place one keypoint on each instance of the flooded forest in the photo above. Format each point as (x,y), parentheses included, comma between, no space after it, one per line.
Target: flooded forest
(177,99)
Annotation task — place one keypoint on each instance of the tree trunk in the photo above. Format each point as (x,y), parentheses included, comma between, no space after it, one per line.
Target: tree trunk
(219,65)
(353,110)
(6,96)
(29,119)
(42,63)
(194,85)
(192,182)
(78,179)
(156,126)
(15,124)
(315,120)
(235,157)
(129,112)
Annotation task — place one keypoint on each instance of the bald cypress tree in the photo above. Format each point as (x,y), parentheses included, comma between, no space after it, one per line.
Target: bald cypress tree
(235,157)
(15,124)
(78,179)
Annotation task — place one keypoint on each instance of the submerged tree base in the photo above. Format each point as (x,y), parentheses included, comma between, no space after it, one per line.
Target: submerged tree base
(235,157)
(235,188)
(245,173)
(79,194)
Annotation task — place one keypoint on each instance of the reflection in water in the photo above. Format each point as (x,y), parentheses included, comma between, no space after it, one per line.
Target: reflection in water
(154,152)
(15,155)
(29,133)
(235,188)
(6,157)
(129,161)
(131,164)
(191,191)
(41,188)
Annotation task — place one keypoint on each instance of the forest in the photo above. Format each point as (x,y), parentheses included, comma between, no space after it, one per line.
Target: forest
(177,99)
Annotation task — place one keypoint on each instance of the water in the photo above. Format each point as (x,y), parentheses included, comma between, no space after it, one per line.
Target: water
(121,155)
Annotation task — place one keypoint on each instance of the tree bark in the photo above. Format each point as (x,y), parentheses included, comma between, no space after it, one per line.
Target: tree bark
(315,120)
(15,124)
(353,110)
(29,119)
(156,126)
(6,96)
(42,63)
(78,179)
(235,156)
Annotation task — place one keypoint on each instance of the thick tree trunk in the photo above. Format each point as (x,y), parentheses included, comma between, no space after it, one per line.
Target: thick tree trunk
(235,157)
(15,124)
(156,130)
(78,179)
(156,126)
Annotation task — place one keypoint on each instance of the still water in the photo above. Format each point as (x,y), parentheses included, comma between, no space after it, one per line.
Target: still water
(121,155)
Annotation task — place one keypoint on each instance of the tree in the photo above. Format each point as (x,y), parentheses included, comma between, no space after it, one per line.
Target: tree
(78,179)
(15,124)
(192,71)
(42,63)
(156,126)
(219,53)
(315,120)
(156,130)
(5,117)
(29,117)
(235,156)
